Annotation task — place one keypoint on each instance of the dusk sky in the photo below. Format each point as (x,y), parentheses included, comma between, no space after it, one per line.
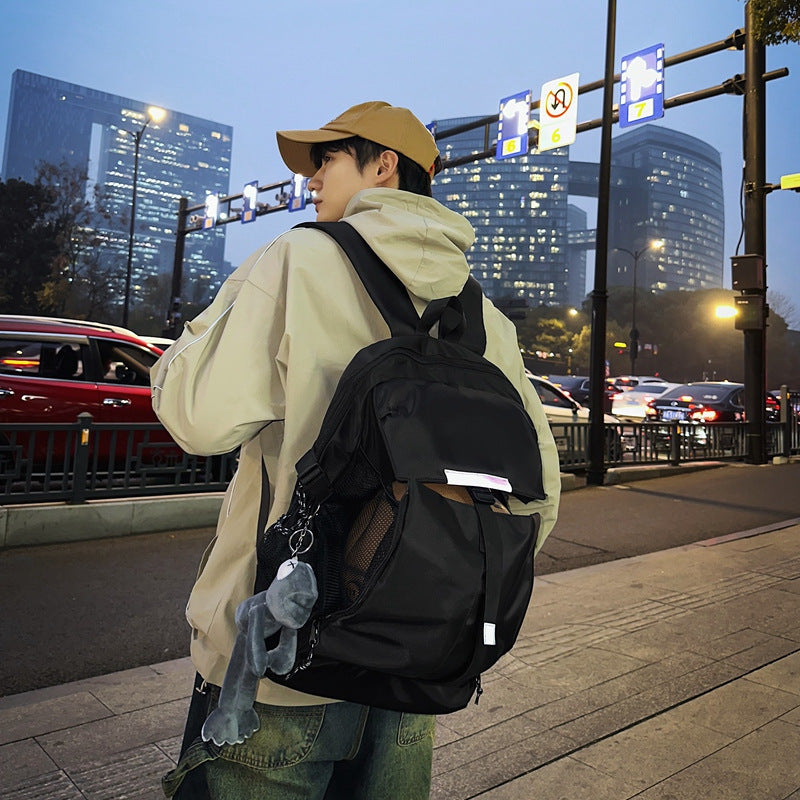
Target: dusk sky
(259,66)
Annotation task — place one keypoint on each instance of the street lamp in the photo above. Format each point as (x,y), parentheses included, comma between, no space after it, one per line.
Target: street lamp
(655,244)
(154,114)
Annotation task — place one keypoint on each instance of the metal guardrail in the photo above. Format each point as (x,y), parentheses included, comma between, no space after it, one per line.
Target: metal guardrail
(75,462)
(84,460)
(670,442)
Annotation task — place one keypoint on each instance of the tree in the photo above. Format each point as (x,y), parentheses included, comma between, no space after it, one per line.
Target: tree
(776,21)
(81,283)
(29,243)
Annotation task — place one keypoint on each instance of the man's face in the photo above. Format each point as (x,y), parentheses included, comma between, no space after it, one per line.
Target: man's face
(335,183)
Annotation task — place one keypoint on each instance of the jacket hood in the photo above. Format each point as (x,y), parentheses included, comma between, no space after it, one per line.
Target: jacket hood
(419,239)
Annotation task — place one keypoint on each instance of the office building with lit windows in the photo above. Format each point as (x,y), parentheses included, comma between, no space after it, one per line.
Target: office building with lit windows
(531,242)
(518,208)
(182,156)
(673,193)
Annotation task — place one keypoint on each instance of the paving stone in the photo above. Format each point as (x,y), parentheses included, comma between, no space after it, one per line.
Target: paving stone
(576,672)
(470,780)
(23,722)
(653,750)
(615,690)
(762,654)
(71,749)
(566,779)
(171,747)
(783,674)
(485,743)
(762,765)
(500,701)
(444,735)
(738,708)
(606,721)
(51,786)
(20,761)
(134,775)
(153,690)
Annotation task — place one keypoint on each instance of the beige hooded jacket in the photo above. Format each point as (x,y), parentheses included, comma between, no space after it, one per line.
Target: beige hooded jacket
(258,368)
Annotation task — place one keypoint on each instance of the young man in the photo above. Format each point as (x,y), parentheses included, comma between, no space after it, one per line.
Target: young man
(257,370)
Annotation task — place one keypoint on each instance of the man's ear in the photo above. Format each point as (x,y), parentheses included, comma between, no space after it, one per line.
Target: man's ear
(386,169)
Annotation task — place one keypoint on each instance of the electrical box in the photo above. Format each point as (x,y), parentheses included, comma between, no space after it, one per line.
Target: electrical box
(747,272)
(750,312)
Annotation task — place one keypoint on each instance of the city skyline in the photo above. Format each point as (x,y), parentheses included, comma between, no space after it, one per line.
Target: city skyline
(269,67)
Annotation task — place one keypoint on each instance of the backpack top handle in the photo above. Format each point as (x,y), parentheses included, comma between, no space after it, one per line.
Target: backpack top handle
(460,318)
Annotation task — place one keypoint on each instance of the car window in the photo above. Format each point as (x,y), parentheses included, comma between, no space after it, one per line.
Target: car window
(43,359)
(551,398)
(125,363)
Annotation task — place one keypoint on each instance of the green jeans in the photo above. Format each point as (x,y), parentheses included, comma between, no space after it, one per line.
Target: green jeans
(339,751)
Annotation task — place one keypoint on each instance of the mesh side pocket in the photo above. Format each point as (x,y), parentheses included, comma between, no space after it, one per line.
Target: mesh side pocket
(368,543)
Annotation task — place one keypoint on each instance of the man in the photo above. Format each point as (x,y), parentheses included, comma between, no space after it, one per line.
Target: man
(257,370)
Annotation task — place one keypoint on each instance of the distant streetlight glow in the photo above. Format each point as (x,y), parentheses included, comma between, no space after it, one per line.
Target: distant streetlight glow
(724,312)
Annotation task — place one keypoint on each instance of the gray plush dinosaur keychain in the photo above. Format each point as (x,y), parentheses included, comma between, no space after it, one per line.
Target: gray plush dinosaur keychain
(285,605)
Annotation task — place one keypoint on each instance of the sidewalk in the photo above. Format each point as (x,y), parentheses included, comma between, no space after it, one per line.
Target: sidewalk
(670,675)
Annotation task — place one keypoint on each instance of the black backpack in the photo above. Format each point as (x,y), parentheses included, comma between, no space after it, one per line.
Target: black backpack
(424,577)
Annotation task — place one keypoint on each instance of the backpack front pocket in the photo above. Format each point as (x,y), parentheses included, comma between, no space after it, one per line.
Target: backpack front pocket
(421,613)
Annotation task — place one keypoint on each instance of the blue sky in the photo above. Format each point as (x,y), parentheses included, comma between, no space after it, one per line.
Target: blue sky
(259,65)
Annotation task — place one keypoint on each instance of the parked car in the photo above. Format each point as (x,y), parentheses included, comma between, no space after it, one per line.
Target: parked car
(52,369)
(559,407)
(698,405)
(630,381)
(630,405)
(705,402)
(579,388)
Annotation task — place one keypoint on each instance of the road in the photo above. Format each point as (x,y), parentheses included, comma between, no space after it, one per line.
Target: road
(76,610)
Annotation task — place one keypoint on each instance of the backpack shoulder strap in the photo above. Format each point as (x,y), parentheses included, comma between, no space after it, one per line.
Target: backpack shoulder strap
(385,289)
(460,318)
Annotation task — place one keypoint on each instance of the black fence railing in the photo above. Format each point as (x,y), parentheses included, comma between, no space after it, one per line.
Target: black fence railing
(75,462)
(83,460)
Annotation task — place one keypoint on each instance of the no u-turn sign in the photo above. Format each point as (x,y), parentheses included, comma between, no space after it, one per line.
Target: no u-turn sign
(558,112)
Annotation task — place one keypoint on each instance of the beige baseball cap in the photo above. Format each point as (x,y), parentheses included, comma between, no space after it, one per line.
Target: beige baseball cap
(393,127)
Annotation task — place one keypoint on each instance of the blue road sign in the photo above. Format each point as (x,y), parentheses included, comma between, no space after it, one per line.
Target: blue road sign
(297,197)
(211,211)
(249,201)
(512,126)
(641,92)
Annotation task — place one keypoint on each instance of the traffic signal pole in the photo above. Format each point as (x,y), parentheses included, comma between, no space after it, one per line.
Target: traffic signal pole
(755,236)
(595,474)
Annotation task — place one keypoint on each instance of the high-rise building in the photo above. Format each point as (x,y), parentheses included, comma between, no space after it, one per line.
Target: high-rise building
(673,194)
(55,122)
(518,208)
(531,242)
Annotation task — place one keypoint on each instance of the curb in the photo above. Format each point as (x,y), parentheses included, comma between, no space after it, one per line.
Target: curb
(53,523)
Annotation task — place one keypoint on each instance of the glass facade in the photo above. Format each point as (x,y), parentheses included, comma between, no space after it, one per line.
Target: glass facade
(518,208)
(53,121)
(531,242)
(677,198)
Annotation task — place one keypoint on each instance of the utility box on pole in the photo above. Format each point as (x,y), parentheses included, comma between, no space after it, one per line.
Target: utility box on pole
(747,273)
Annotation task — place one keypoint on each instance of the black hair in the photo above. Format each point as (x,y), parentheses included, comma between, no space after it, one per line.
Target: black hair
(411,176)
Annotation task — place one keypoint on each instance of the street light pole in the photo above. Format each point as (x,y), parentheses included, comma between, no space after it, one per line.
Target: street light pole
(155,114)
(635,254)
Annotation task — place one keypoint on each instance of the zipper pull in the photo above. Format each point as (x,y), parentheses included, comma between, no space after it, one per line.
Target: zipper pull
(478,689)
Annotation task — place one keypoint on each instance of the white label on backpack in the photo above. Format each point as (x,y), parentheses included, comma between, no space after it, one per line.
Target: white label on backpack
(488,633)
(482,479)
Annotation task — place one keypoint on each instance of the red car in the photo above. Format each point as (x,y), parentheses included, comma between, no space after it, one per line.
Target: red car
(53,369)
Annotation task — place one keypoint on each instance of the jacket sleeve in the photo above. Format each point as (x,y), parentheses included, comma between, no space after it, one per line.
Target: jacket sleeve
(221,381)
(551,469)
